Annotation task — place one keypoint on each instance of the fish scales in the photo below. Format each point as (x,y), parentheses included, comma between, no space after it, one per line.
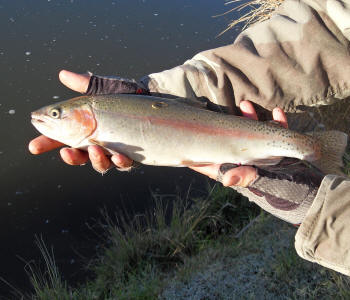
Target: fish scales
(198,135)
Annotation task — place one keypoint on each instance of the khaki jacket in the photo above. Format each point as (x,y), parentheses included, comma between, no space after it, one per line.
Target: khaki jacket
(298,60)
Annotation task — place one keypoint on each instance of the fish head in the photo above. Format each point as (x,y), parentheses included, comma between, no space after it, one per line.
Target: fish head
(69,122)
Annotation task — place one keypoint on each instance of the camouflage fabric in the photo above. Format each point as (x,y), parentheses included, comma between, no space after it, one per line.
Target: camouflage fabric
(323,237)
(297,60)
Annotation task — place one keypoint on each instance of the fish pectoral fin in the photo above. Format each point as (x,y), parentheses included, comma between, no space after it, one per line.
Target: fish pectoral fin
(191,163)
(105,145)
(111,148)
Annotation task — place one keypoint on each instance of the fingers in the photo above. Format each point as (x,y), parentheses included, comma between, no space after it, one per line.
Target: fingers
(208,170)
(121,161)
(100,162)
(43,144)
(240,176)
(73,156)
(248,109)
(279,116)
(74,81)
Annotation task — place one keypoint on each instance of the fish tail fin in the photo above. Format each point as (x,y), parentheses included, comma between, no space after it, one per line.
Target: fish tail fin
(333,146)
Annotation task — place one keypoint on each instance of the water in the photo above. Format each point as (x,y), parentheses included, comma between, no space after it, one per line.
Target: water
(40,195)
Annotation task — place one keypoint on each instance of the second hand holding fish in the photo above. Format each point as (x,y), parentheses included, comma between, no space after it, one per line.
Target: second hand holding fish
(241,176)
(244,175)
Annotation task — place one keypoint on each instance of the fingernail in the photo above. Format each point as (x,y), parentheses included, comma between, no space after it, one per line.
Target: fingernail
(32,148)
(231,180)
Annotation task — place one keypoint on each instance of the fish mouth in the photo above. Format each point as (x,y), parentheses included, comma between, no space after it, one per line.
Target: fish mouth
(36,118)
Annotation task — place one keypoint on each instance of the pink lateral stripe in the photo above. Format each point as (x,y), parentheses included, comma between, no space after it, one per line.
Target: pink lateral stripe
(196,127)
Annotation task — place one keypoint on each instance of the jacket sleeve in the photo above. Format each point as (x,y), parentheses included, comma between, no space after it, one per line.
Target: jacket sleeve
(324,235)
(299,57)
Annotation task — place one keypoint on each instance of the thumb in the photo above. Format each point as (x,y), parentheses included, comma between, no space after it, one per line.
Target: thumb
(76,82)
(239,176)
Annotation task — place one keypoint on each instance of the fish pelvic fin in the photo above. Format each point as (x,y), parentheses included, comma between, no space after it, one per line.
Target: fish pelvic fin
(104,145)
(98,143)
(333,146)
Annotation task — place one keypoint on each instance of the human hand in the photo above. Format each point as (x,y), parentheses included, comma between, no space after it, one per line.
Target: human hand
(286,190)
(72,156)
(243,175)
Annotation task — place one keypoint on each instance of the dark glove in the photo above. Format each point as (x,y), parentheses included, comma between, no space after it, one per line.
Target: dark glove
(286,190)
(104,85)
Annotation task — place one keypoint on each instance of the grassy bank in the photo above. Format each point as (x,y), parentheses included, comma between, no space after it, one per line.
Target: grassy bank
(140,254)
(217,247)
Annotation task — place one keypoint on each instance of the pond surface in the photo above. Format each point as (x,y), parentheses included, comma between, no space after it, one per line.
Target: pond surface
(40,195)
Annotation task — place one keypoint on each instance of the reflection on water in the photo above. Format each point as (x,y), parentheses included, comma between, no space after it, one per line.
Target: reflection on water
(41,195)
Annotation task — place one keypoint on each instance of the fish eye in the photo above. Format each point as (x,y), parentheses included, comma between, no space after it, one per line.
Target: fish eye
(55,113)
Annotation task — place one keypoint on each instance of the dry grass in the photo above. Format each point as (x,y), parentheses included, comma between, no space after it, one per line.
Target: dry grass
(258,11)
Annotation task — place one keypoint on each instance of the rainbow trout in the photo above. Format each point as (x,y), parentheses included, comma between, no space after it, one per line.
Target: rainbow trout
(166,132)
